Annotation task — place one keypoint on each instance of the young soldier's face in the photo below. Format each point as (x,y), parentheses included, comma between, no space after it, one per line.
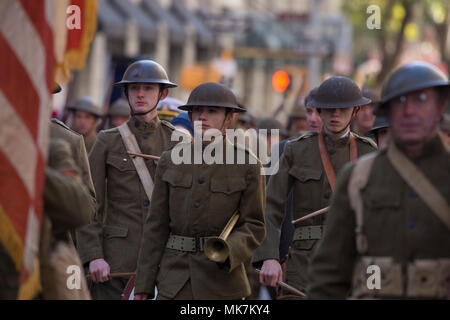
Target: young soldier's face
(336,120)
(414,117)
(144,96)
(313,119)
(211,118)
(84,122)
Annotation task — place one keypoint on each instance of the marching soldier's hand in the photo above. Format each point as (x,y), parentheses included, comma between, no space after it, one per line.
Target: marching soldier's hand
(99,270)
(141,296)
(271,273)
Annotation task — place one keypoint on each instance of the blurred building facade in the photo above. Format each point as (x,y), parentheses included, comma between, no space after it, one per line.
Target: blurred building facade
(245,42)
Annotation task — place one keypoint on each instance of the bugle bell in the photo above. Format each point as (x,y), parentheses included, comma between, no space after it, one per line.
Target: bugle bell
(216,248)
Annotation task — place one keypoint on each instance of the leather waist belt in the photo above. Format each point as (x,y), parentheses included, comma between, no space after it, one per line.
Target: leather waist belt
(188,244)
(308,233)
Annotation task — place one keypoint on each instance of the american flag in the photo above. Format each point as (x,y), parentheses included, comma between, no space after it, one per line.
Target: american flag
(26,81)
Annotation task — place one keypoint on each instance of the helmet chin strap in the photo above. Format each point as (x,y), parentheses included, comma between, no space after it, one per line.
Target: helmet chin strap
(223,124)
(225,119)
(146,112)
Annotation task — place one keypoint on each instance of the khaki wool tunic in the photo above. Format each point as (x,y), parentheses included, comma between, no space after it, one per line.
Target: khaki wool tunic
(116,231)
(396,222)
(300,169)
(197,200)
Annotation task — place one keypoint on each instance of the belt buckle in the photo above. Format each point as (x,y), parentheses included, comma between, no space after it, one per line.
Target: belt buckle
(198,245)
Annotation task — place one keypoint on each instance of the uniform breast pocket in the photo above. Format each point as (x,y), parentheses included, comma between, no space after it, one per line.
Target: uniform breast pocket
(122,177)
(305,175)
(120,163)
(225,197)
(307,186)
(381,212)
(179,183)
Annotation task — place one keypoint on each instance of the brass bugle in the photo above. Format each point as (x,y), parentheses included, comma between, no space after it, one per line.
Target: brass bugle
(315,213)
(216,248)
(145,156)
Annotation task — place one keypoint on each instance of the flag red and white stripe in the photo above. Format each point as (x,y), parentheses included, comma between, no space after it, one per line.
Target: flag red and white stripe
(26,81)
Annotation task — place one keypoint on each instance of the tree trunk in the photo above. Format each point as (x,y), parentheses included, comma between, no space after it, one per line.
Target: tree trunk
(389,60)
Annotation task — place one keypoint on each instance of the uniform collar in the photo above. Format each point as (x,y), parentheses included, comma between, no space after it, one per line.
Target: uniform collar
(91,136)
(341,142)
(138,126)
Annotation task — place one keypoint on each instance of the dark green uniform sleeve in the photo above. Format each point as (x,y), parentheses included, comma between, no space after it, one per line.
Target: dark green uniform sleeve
(63,193)
(331,267)
(155,234)
(66,199)
(249,231)
(89,238)
(277,192)
(81,159)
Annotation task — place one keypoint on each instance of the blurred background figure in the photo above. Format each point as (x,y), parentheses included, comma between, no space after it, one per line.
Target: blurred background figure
(245,121)
(272,124)
(118,113)
(242,120)
(86,118)
(168,108)
(297,121)
(313,119)
(365,118)
(379,132)
(445,127)
(183,123)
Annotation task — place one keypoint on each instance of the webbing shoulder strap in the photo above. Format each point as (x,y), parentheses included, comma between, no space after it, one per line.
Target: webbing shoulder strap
(358,180)
(419,183)
(326,162)
(131,145)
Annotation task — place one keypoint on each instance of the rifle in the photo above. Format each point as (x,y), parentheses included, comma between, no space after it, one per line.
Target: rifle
(145,156)
(313,214)
(288,287)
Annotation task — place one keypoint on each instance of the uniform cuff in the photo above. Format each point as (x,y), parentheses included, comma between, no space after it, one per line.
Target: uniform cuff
(89,256)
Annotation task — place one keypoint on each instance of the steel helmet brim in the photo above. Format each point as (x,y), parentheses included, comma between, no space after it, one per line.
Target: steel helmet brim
(408,78)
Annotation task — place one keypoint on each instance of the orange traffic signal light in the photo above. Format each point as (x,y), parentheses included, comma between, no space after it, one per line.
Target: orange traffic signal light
(280,80)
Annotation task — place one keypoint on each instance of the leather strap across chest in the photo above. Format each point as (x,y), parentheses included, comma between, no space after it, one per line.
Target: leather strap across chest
(326,162)
(419,183)
(131,144)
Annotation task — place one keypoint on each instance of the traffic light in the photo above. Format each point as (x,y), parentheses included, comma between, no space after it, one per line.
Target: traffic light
(280,81)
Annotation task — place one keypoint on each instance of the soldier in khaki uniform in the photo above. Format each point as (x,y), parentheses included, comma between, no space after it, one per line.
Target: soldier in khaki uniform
(390,216)
(68,205)
(59,130)
(297,121)
(308,166)
(111,243)
(86,118)
(380,131)
(194,201)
